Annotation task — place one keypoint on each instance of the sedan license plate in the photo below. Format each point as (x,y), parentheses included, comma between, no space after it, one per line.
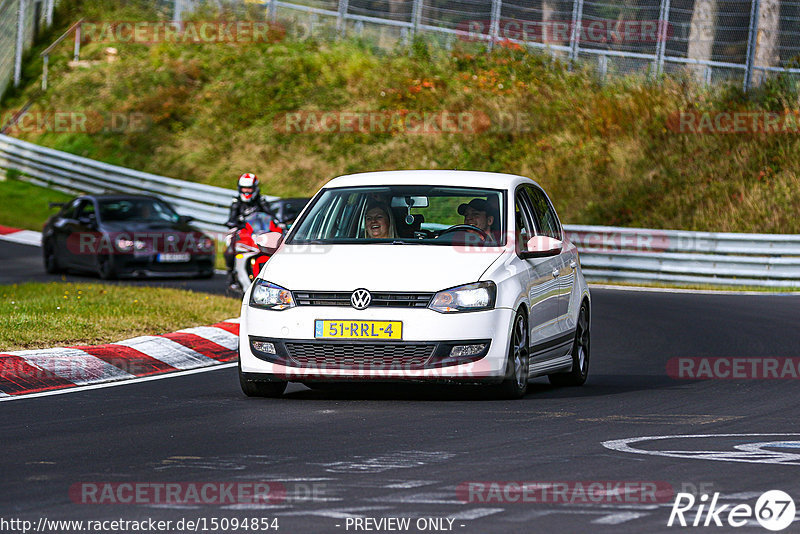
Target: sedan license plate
(173,257)
(358,329)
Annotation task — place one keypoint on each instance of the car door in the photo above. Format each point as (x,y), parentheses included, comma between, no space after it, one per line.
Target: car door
(542,288)
(63,225)
(84,239)
(549,225)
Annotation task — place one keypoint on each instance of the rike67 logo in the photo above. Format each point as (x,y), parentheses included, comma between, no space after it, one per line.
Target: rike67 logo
(774,510)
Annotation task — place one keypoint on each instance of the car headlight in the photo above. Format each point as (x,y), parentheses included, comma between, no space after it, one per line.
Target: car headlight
(126,245)
(471,297)
(206,244)
(270,296)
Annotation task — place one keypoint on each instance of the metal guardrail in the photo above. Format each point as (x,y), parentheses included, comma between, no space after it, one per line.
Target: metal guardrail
(607,253)
(677,256)
(59,170)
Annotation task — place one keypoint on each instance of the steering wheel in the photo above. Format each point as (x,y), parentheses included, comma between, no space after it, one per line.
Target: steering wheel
(465,228)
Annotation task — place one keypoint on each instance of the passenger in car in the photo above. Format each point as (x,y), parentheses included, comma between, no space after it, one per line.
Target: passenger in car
(379,222)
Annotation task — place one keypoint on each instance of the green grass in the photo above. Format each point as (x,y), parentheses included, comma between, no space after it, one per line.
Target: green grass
(35,315)
(26,206)
(602,149)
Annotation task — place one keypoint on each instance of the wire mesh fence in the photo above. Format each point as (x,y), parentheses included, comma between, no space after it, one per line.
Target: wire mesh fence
(742,41)
(20,22)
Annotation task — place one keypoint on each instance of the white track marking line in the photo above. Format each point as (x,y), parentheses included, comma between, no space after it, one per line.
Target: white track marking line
(168,351)
(24,237)
(409,484)
(77,389)
(217,335)
(74,365)
(616,519)
(475,513)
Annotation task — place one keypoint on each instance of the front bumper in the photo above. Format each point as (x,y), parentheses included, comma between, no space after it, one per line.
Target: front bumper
(148,266)
(422,355)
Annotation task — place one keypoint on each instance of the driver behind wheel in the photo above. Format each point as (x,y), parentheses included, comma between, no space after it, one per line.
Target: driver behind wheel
(480,214)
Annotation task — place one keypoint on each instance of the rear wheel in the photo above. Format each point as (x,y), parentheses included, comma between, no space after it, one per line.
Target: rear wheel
(580,354)
(515,384)
(51,264)
(253,388)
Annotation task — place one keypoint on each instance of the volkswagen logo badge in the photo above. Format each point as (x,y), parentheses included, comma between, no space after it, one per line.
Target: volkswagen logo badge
(360,299)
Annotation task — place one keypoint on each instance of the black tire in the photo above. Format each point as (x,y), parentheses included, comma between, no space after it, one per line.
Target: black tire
(251,388)
(515,384)
(105,267)
(580,354)
(51,264)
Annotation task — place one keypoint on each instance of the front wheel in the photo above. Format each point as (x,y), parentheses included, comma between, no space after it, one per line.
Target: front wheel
(580,354)
(515,384)
(252,388)
(51,264)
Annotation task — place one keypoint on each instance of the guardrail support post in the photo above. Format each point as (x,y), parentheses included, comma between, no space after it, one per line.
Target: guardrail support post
(416,17)
(603,64)
(273,10)
(752,43)
(76,55)
(45,63)
(663,32)
(48,18)
(575,34)
(341,23)
(20,46)
(494,25)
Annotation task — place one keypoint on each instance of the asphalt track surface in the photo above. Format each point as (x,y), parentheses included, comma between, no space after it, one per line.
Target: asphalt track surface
(404,451)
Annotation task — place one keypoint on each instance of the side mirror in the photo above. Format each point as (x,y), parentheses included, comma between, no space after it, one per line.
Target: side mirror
(268,243)
(542,247)
(88,220)
(185,219)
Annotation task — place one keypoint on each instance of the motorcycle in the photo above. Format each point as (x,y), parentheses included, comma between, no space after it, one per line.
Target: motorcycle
(249,260)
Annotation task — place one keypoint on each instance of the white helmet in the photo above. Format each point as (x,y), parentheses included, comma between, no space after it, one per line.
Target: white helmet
(248,187)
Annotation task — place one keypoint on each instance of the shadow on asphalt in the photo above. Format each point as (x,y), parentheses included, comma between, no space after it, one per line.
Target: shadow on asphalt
(597,386)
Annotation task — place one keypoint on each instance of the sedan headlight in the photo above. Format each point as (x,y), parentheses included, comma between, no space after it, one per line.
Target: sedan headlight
(471,297)
(269,296)
(126,245)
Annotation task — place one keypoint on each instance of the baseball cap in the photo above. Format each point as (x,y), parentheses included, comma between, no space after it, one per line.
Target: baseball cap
(477,204)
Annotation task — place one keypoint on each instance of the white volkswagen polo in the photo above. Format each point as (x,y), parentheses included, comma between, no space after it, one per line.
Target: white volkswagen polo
(451,276)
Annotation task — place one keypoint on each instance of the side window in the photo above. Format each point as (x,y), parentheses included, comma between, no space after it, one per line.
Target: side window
(523,227)
(546,219)
(70,209)
(85,209)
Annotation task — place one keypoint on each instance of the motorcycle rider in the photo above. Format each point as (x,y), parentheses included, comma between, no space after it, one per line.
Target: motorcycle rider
(248,201)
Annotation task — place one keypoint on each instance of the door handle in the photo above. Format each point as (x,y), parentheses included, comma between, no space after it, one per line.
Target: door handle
(556,273)
(573,264)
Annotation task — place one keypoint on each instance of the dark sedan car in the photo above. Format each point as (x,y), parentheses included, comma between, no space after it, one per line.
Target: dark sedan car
(125,235)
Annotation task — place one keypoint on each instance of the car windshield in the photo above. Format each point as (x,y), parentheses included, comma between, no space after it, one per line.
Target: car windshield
(136,209)
(430,215)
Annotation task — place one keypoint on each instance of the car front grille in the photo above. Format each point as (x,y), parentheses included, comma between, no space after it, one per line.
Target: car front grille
(379,299)
(361,355)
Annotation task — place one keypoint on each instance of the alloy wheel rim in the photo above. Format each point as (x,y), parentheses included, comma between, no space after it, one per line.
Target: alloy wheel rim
(519,353)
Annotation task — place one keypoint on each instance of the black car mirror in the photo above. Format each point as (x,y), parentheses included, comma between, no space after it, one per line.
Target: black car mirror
(185,219)
(88,220)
